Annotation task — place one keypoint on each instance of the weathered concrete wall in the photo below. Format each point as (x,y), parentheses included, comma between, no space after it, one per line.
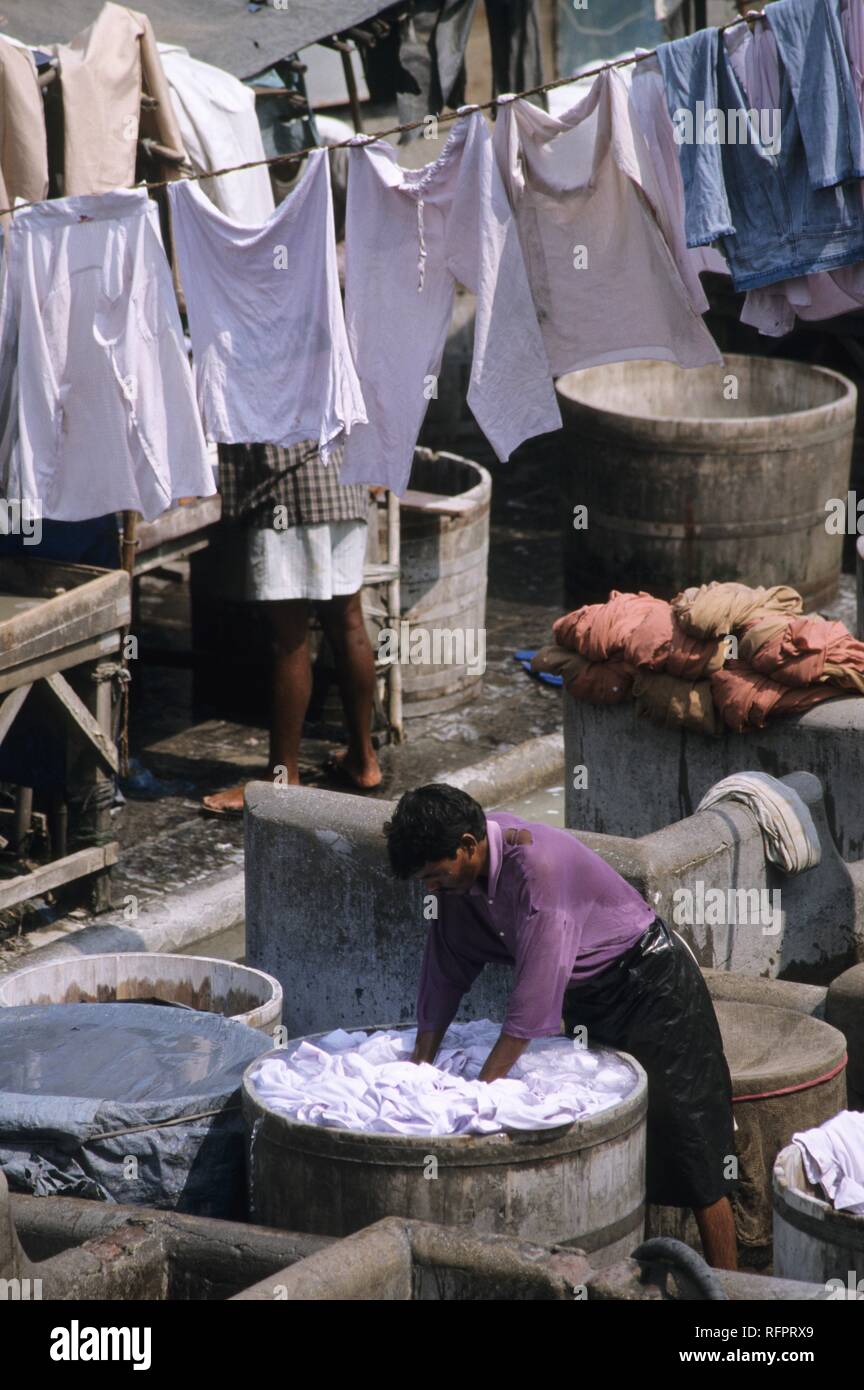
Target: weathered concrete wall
(641,777)
(822,928)
(345,939)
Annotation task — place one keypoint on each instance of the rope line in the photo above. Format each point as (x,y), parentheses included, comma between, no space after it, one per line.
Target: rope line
(445,116)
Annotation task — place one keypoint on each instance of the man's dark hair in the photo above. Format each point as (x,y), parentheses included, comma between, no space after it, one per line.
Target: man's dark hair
(428,825)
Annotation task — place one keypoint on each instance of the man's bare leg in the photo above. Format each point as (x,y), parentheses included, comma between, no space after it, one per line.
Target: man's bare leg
(291,689)
(342,621)
(717,1229)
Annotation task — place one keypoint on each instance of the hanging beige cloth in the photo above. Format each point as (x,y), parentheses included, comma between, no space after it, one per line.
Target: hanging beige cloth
(103,72)
(23,144)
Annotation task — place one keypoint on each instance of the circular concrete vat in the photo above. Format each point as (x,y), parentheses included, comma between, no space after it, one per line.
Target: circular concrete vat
(685,483)
(812,1241)
(844,1008)
(788,1073)
(213,986)
(583,1184)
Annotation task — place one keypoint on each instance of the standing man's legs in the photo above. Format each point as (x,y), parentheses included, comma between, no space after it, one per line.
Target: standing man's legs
(654,1004)
(290,691)
(342,621)
(717,1229)
(292,684)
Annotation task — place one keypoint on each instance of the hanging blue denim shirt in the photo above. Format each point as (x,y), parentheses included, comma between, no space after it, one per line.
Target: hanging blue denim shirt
(777,213)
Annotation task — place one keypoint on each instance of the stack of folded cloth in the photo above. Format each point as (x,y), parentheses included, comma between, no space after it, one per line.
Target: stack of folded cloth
(719,655)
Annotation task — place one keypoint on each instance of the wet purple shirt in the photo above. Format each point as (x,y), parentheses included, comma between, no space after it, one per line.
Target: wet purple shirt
(554,910)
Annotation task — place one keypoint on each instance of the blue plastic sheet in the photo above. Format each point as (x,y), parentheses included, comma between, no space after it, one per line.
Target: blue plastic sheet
(125,1103)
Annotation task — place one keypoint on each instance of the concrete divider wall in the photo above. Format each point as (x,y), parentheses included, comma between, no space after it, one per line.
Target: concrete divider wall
(641,777)
(822,925)
(345,939)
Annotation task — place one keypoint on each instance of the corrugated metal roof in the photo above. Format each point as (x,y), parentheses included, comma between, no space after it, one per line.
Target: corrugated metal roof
(223,32)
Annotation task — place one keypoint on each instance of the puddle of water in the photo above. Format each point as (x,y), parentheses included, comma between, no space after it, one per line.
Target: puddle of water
(545,805)
(228,945)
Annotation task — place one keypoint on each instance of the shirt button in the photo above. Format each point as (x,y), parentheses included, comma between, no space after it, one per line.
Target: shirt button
(500,933)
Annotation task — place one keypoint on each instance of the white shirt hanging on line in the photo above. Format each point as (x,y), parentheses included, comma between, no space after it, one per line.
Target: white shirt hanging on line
(604,279)
(216,116)
(103,414)
(410,236)
(271,356)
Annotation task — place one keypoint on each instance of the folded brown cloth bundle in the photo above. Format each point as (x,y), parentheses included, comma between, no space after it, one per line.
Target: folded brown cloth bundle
(641,630)
(676,704)
(599,631)
(597,682)
(717,608)
(805,651)
(746,700)
(671,656)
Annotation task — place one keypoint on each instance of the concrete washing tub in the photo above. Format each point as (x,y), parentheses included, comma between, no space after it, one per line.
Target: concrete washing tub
(583,1184)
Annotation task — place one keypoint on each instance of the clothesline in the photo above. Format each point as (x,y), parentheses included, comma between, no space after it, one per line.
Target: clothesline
(399,129)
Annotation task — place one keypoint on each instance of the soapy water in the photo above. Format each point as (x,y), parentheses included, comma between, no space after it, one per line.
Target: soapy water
(366,1082)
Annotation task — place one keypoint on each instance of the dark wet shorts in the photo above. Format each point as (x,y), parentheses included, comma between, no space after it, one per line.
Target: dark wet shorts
(654,1004)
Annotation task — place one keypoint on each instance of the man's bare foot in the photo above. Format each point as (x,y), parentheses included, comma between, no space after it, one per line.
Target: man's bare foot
(363,773)
(227,803)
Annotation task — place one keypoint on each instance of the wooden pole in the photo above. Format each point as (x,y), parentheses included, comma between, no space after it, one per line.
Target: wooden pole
(351,84)
(394,609)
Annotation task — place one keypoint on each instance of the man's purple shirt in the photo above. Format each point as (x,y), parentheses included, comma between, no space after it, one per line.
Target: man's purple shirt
(552,909)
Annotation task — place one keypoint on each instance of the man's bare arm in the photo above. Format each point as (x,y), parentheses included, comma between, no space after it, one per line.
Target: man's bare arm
(427,1045)
(506,1051)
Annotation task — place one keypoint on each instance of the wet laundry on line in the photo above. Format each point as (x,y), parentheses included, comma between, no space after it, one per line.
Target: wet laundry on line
(97,409)
(272,364)
(410,236)
(590,216)
(366,1081)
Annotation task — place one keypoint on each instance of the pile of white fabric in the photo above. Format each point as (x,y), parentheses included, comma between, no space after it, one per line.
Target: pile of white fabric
(366,1081)
(833,1156)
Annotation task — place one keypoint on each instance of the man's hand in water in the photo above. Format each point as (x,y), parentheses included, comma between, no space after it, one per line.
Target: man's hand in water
(427,1045)
(506,1051)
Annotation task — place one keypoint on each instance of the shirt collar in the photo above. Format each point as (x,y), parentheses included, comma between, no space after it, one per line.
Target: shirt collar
(496,854)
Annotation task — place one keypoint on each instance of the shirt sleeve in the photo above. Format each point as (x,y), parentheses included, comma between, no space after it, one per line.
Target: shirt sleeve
(446,975)
(548,946)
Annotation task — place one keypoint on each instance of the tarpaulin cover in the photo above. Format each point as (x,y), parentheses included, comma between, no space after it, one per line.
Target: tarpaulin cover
(231,34)
(85,1088)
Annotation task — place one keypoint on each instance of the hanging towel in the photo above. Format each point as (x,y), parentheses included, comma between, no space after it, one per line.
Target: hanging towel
(833,1156)
(271,356)
(788,830)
